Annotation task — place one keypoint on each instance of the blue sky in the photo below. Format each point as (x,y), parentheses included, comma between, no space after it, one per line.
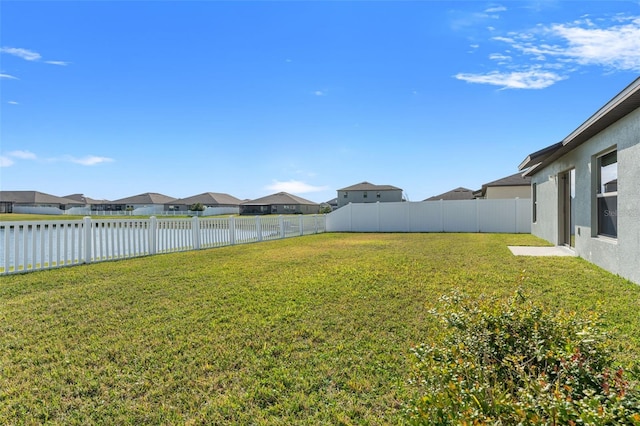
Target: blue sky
(114,98)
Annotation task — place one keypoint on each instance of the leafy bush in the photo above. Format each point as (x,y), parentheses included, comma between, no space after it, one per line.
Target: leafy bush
(197,207)
(508,363)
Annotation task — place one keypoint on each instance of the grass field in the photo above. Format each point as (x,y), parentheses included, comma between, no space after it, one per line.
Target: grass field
(310,330)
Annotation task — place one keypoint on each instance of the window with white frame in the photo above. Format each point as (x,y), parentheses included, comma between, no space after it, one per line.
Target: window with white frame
(607,194)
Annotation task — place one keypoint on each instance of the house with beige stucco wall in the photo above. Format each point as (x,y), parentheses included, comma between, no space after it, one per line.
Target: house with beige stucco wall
(513,186)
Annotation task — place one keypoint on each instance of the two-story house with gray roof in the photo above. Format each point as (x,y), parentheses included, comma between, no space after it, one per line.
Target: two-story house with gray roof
(365,192)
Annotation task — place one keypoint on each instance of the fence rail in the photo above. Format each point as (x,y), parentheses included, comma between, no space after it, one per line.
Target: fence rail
(27,246)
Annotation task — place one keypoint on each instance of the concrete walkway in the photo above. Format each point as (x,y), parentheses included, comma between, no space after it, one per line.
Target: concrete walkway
(541,251)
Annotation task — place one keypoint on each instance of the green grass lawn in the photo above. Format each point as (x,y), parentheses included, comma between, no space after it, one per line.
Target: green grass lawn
(310,330)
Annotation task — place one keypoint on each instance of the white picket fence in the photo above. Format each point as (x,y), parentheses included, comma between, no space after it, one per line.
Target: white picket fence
(500,216)
(34,245)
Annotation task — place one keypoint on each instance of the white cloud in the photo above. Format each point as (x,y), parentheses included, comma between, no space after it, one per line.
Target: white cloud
(320,93)
(616,47)
(539,57)
(25,54)
(294,187)
(6,161)
(8,76)
(29,55)
(532,79)
(23,155)
(495,9)
(581,42)
(13,103)
(499,57)
(61,63)
(90,160)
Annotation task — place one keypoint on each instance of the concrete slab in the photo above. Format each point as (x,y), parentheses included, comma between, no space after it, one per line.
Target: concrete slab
(541,251)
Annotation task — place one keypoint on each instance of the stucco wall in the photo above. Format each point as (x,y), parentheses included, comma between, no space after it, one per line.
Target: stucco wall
(501,192)
(619,255)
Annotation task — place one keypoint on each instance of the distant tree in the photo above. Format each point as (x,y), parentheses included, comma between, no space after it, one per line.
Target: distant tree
(197,207)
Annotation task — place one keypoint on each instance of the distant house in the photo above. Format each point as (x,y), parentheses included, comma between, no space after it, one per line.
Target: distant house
(147,203)
(222,203)
(455,194)
(35,202)
(576,199)
(93,204)
(280,203)
(333,203)
(366,192)
(513,186)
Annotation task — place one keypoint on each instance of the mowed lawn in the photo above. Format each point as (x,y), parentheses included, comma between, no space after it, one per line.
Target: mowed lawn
(310,330)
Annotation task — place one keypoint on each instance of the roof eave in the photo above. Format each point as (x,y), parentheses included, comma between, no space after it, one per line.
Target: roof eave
(539,156)
(625,102)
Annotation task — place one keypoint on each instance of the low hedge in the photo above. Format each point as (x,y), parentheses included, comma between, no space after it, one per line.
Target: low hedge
(515,363)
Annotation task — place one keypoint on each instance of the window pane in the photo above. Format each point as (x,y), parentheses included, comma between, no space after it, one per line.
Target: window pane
(608,216)
(608,177)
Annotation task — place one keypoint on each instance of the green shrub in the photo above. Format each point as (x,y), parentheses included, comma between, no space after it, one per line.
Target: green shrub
(197,207)
(514,363)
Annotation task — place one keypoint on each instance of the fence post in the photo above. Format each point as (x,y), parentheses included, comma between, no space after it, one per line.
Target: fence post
(153,225)
(301,224)
(232,230)
(195,232)
(259,228)
(515,205)
(315,223)
(281,223)
(86,228)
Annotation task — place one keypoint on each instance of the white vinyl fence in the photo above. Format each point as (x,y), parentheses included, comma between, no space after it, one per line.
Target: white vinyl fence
(35,245)
(501,216)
